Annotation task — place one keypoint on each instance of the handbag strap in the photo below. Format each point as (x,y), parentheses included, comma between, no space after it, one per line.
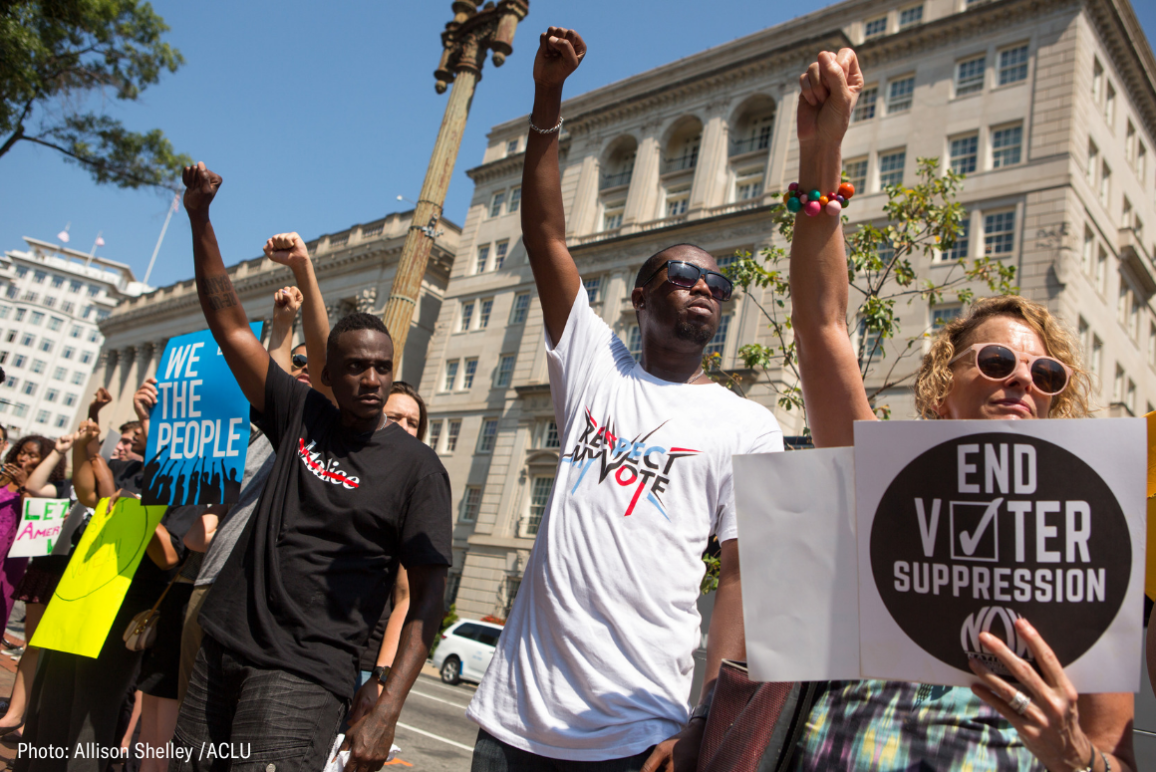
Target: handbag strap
(169,586)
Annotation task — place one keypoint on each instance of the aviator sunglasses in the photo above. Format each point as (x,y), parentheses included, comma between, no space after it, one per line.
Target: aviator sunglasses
(996,362)
(300,360)
(683,274)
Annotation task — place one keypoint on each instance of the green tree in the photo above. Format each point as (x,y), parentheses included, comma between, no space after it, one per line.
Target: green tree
(921,219)
(56,56)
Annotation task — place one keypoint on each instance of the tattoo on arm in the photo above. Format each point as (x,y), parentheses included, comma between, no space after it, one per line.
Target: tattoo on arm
(219,292)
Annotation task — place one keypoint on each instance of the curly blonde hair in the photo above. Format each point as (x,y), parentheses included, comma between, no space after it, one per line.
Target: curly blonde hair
(935,379)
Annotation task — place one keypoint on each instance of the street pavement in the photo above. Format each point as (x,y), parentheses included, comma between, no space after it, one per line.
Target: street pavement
(433,733)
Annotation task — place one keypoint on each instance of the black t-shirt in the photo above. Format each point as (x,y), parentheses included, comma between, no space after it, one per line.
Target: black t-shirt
(128,475)
(310,573)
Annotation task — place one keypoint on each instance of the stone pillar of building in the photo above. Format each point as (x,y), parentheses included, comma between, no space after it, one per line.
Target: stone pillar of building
(775,179)
(711,172)
(585,207)
(121,409)
(640,198)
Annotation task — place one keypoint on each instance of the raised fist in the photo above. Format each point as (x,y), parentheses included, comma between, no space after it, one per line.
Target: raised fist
(286,302)
(560,51)
(144,398)
(830,87)
(87,431)
(65,442)
(201,185)
(287,249)
(99,400)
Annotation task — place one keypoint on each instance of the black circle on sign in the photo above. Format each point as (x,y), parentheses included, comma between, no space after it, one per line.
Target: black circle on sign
(943,618)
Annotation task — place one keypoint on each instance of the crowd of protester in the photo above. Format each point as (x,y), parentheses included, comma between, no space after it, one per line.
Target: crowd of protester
(308,605)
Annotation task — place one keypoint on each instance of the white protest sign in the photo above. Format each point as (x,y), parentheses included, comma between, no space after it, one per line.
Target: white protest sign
(796,519)
(961,527)
(40,525)
(964,526)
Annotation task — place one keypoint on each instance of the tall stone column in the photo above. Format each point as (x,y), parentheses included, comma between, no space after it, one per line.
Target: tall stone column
(121,409)
(585,206)
(711,175)
(640,198)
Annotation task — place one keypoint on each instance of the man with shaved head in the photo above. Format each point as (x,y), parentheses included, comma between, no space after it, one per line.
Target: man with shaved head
(596,660)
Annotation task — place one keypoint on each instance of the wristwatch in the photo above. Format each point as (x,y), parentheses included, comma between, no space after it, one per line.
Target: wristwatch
(381,672)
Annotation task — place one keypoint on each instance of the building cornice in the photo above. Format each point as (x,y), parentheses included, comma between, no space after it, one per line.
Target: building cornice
(503,167)
(1131,53)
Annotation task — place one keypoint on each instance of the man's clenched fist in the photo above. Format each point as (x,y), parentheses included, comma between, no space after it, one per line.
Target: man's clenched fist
(287,249)
(830,88)
(201,185)
(560,51)
(286,302)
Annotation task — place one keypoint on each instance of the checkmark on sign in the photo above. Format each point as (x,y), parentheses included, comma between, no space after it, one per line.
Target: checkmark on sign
(970,541)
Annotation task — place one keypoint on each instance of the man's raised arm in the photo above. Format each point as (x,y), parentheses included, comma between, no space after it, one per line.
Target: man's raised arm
(560,51)
(244,354)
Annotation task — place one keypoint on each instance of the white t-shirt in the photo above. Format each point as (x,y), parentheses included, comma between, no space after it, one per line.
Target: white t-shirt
(597,657)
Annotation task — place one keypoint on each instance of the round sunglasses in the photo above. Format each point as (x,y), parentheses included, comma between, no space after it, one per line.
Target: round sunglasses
(300,360)
(683,274)
(997,362)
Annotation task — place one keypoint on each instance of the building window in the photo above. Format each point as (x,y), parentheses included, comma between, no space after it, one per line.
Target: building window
(452,433)
(38,366)
(513,583)
(539,498)
(39,276)
(891,168)
(1130,397)
(29,388)
(51,395)
(471,503)
(969,76)
(78,378)
(10,336)
(959,250)
(489,435)
(521,308)
(20,312)
(467,316)
(1086,254)
(677,200)
(1110,106)
(1126,214)
(1130,142)
(942,315)
(1141,160)
(899,95)
(93,290)
(870,342)
(512,147)
(451,377)
(12,291)
(855,171)
(1096,361)
(874,28)
(634,342)
(435,433)
(865,107)
(61,421)
(612,214)
(484,314)
(1105,183)
(1005,146)
(57,281)
(505,371)
(94,335)
(49,301)
(3,357)
(1101,277)
(68,352)
(11,383)
(500,250)
(68,306)
(496,203)
(1152,344)
(59,373)
(1134,318)
(42,416)
(515,202)
(749,184)
(550,435)
(593,289)
(999,232)
(718,343)
(483,258)
(469,372)
(27,339)
(85,357)
(909,17)
(20,410)
(69,400)
(55,322)
(37,317)
(1093,160)
(453,582)
(1097,80)
(1013,65)
(964,153)
(4,311)
(75,331)
(19,360)
(1118,385)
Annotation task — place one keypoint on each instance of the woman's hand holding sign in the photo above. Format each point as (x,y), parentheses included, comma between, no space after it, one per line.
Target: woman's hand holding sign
(1046,711)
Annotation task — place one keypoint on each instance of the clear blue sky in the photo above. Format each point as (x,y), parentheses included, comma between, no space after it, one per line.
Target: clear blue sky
(318,116)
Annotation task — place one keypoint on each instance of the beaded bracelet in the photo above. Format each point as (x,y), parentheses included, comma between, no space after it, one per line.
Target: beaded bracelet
(814,202)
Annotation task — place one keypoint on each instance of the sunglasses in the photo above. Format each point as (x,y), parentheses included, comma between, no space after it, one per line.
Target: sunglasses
(300,360)
(997,362)
(686,275)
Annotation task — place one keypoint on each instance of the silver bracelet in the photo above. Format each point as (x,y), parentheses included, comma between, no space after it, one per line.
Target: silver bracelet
(554,130)
(1107,764)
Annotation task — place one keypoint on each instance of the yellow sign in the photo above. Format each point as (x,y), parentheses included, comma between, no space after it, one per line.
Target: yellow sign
(79,616)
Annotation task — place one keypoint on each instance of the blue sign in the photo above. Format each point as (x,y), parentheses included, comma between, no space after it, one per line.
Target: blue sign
(199,427)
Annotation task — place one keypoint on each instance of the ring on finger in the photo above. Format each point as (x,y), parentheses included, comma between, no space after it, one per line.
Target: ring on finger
(1019,702)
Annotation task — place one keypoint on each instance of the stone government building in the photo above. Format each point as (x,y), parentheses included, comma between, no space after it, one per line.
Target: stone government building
(1048,106)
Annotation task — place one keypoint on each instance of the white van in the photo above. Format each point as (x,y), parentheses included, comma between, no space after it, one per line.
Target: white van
(465,650)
